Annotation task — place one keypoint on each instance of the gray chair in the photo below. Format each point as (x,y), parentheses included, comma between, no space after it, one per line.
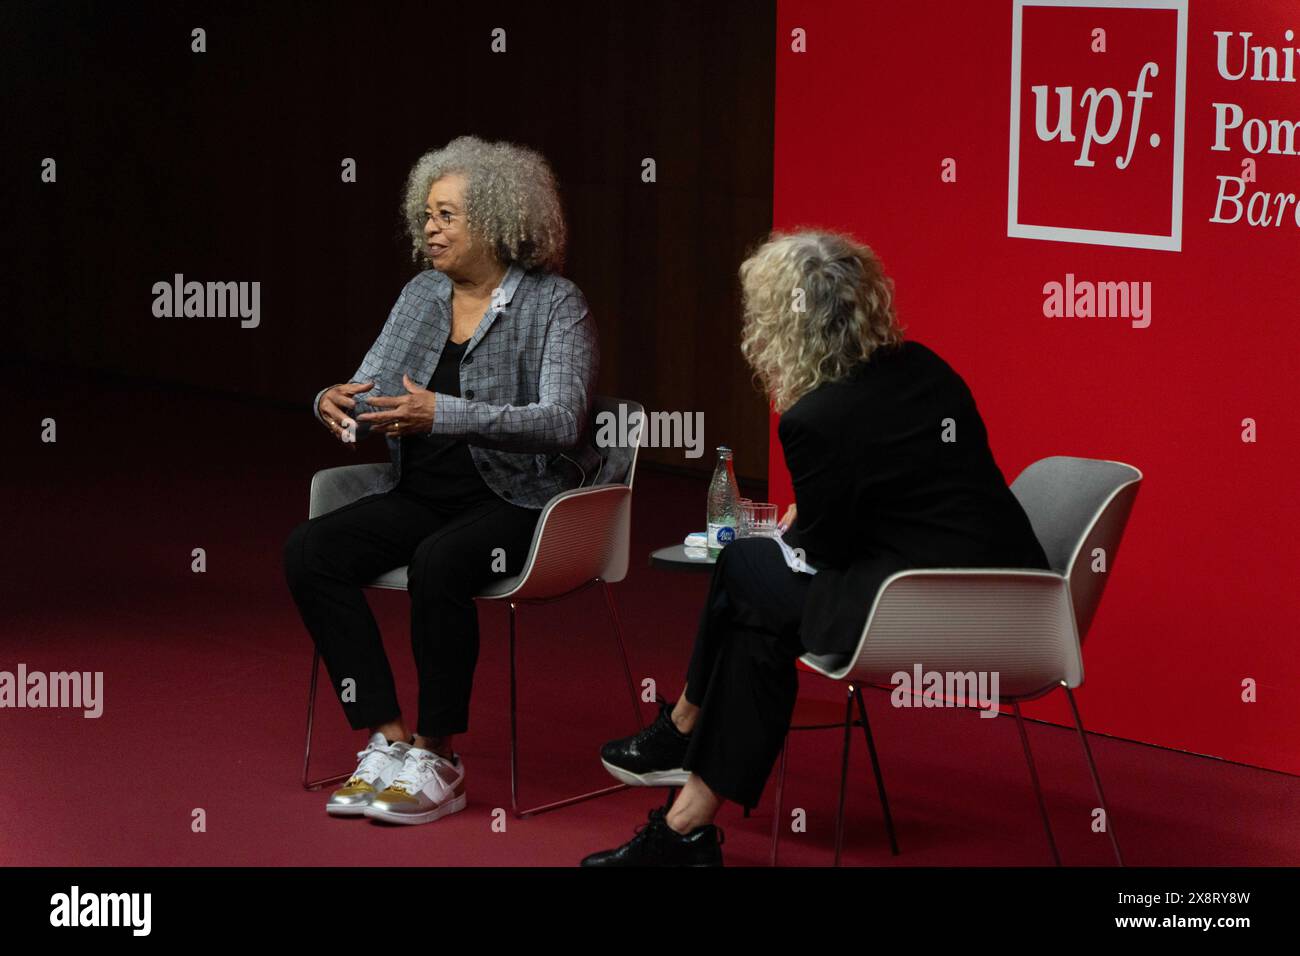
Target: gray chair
(1026,625)
(582,539)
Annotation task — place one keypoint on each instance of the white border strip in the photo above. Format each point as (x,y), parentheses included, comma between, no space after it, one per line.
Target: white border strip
(1133,240)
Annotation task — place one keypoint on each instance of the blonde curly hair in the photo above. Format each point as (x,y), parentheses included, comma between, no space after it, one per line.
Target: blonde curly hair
(512,203)
(816,304)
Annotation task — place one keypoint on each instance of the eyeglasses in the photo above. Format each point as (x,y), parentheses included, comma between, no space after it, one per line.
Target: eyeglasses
(445,219)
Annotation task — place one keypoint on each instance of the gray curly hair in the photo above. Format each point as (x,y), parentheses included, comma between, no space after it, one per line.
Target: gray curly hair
(511,200)
(816,304)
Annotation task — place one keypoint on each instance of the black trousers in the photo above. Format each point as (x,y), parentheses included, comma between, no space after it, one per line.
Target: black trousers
(742,673)
(452,553)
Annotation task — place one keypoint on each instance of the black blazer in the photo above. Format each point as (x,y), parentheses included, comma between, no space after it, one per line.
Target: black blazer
(879,490)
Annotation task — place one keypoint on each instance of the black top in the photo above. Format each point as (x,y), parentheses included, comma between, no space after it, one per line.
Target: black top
(439,468)
(879,490)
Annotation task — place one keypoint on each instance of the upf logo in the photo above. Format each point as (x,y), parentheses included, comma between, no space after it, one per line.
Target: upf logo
(1097,103)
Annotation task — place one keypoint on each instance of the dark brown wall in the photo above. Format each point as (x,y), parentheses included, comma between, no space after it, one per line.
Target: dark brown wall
(225,166)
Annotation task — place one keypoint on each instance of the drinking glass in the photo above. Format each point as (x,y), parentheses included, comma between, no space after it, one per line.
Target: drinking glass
(761,520)
(742,520)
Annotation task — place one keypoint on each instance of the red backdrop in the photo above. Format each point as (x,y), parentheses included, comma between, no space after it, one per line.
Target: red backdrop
(1204,590)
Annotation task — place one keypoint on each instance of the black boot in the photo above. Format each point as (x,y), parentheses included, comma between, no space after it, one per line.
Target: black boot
(658,844)
(651,758)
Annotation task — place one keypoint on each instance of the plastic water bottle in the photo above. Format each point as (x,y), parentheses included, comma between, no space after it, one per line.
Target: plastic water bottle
(724,504)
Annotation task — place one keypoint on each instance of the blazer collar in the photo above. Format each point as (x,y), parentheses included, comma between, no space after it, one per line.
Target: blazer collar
(511,282)
(514,274)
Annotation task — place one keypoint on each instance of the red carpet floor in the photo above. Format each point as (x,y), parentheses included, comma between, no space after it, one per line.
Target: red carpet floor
(206,677)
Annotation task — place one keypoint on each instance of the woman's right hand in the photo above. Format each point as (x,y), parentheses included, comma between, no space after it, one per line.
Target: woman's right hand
(787,521)
(334,406)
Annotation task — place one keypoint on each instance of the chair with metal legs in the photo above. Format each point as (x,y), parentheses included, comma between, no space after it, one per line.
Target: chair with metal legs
(1026,625)
(853,696)
(582,539)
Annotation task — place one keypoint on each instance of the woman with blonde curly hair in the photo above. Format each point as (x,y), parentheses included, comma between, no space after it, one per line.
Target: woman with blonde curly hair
(891,470)
(481,382)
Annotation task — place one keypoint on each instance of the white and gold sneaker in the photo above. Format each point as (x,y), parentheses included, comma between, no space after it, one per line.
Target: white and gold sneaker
(428,787)
(379,765)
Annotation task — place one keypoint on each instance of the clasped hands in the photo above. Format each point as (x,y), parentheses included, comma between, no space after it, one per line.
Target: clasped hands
(409,414)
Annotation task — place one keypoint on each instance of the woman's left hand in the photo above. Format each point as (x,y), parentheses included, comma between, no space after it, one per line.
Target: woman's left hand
(409,414)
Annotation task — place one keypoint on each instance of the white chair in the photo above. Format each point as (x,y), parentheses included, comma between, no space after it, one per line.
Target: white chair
(1026,625)
(582,538)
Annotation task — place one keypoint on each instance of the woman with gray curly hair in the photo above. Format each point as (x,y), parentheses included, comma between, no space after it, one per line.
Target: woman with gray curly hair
(891,469)
(481,382)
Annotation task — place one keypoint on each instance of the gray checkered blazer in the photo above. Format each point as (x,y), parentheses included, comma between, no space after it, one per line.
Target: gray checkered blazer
(527,382)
